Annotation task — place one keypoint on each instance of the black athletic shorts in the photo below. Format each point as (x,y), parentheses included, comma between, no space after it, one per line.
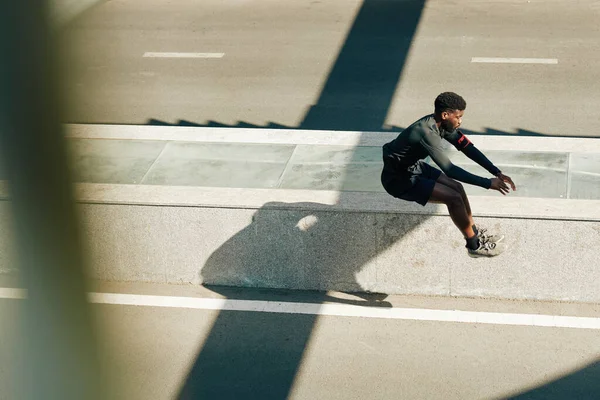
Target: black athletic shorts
(413,184)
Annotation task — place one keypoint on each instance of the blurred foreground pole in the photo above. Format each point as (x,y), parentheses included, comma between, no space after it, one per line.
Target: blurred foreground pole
(59,346)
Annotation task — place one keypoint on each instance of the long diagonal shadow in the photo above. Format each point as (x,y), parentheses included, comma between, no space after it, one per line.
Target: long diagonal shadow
(250,355)
(582,384)
(259,356)
(359,90)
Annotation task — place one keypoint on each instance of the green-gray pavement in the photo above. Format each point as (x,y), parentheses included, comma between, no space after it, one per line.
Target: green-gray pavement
(313,167)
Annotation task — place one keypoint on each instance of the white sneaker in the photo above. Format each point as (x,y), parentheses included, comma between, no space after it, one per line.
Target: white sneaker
(488,248)
(484,235)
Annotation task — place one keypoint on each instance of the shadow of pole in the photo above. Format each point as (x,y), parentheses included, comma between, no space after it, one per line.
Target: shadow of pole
(250,355)
(359,89)
(581,385)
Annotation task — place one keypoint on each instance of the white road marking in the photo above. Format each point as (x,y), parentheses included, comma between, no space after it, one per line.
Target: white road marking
(338,310)
(501,60)
(13,293)
(183,55)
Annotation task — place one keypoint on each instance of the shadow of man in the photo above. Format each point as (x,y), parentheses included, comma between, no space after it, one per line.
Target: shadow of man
(287,245)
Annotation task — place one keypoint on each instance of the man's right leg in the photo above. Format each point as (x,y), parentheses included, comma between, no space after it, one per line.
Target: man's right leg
(456,207)
(457,186)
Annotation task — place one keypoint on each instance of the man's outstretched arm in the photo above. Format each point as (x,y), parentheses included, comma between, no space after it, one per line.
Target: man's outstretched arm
(462,143)
(431,144)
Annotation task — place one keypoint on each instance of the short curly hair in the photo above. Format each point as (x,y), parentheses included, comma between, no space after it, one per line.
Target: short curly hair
(449,101)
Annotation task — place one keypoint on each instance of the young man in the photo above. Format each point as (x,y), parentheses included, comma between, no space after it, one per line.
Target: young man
(406,176)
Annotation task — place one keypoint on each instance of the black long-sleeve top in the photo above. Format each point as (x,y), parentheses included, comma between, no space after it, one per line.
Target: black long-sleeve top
(423,138)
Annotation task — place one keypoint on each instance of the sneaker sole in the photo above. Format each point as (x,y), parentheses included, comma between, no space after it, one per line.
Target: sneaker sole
(488,256)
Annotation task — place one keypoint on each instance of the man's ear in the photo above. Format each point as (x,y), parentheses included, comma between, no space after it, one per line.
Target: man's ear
(445,115)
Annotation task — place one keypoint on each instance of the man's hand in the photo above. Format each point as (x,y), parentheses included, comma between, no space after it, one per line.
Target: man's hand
(506,178)
(499,185)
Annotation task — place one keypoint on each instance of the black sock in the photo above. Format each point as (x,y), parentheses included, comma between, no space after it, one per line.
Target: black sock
(473,243)
(475,230)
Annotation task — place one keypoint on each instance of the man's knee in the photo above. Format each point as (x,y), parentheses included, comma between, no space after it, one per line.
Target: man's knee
(452,184)
(458,187)
(455,199)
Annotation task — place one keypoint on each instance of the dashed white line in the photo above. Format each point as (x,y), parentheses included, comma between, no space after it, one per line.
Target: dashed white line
(338,310)
(502,60)
(183,55)
(13,293)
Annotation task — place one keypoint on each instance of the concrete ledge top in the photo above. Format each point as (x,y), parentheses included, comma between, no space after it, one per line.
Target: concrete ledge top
(311,137)
(322,200)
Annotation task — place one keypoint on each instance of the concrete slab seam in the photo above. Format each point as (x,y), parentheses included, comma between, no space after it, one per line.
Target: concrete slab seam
(154,162)
(569,176)
(288,165)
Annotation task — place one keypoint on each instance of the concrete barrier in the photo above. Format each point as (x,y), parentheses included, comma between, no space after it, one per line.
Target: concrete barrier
(64,11)
(142,228)
(348,241)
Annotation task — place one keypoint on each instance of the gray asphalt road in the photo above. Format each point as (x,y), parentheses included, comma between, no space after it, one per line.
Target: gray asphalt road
(165,353)
(336,64)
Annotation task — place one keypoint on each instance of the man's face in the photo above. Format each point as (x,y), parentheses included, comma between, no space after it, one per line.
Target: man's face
(452,120)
